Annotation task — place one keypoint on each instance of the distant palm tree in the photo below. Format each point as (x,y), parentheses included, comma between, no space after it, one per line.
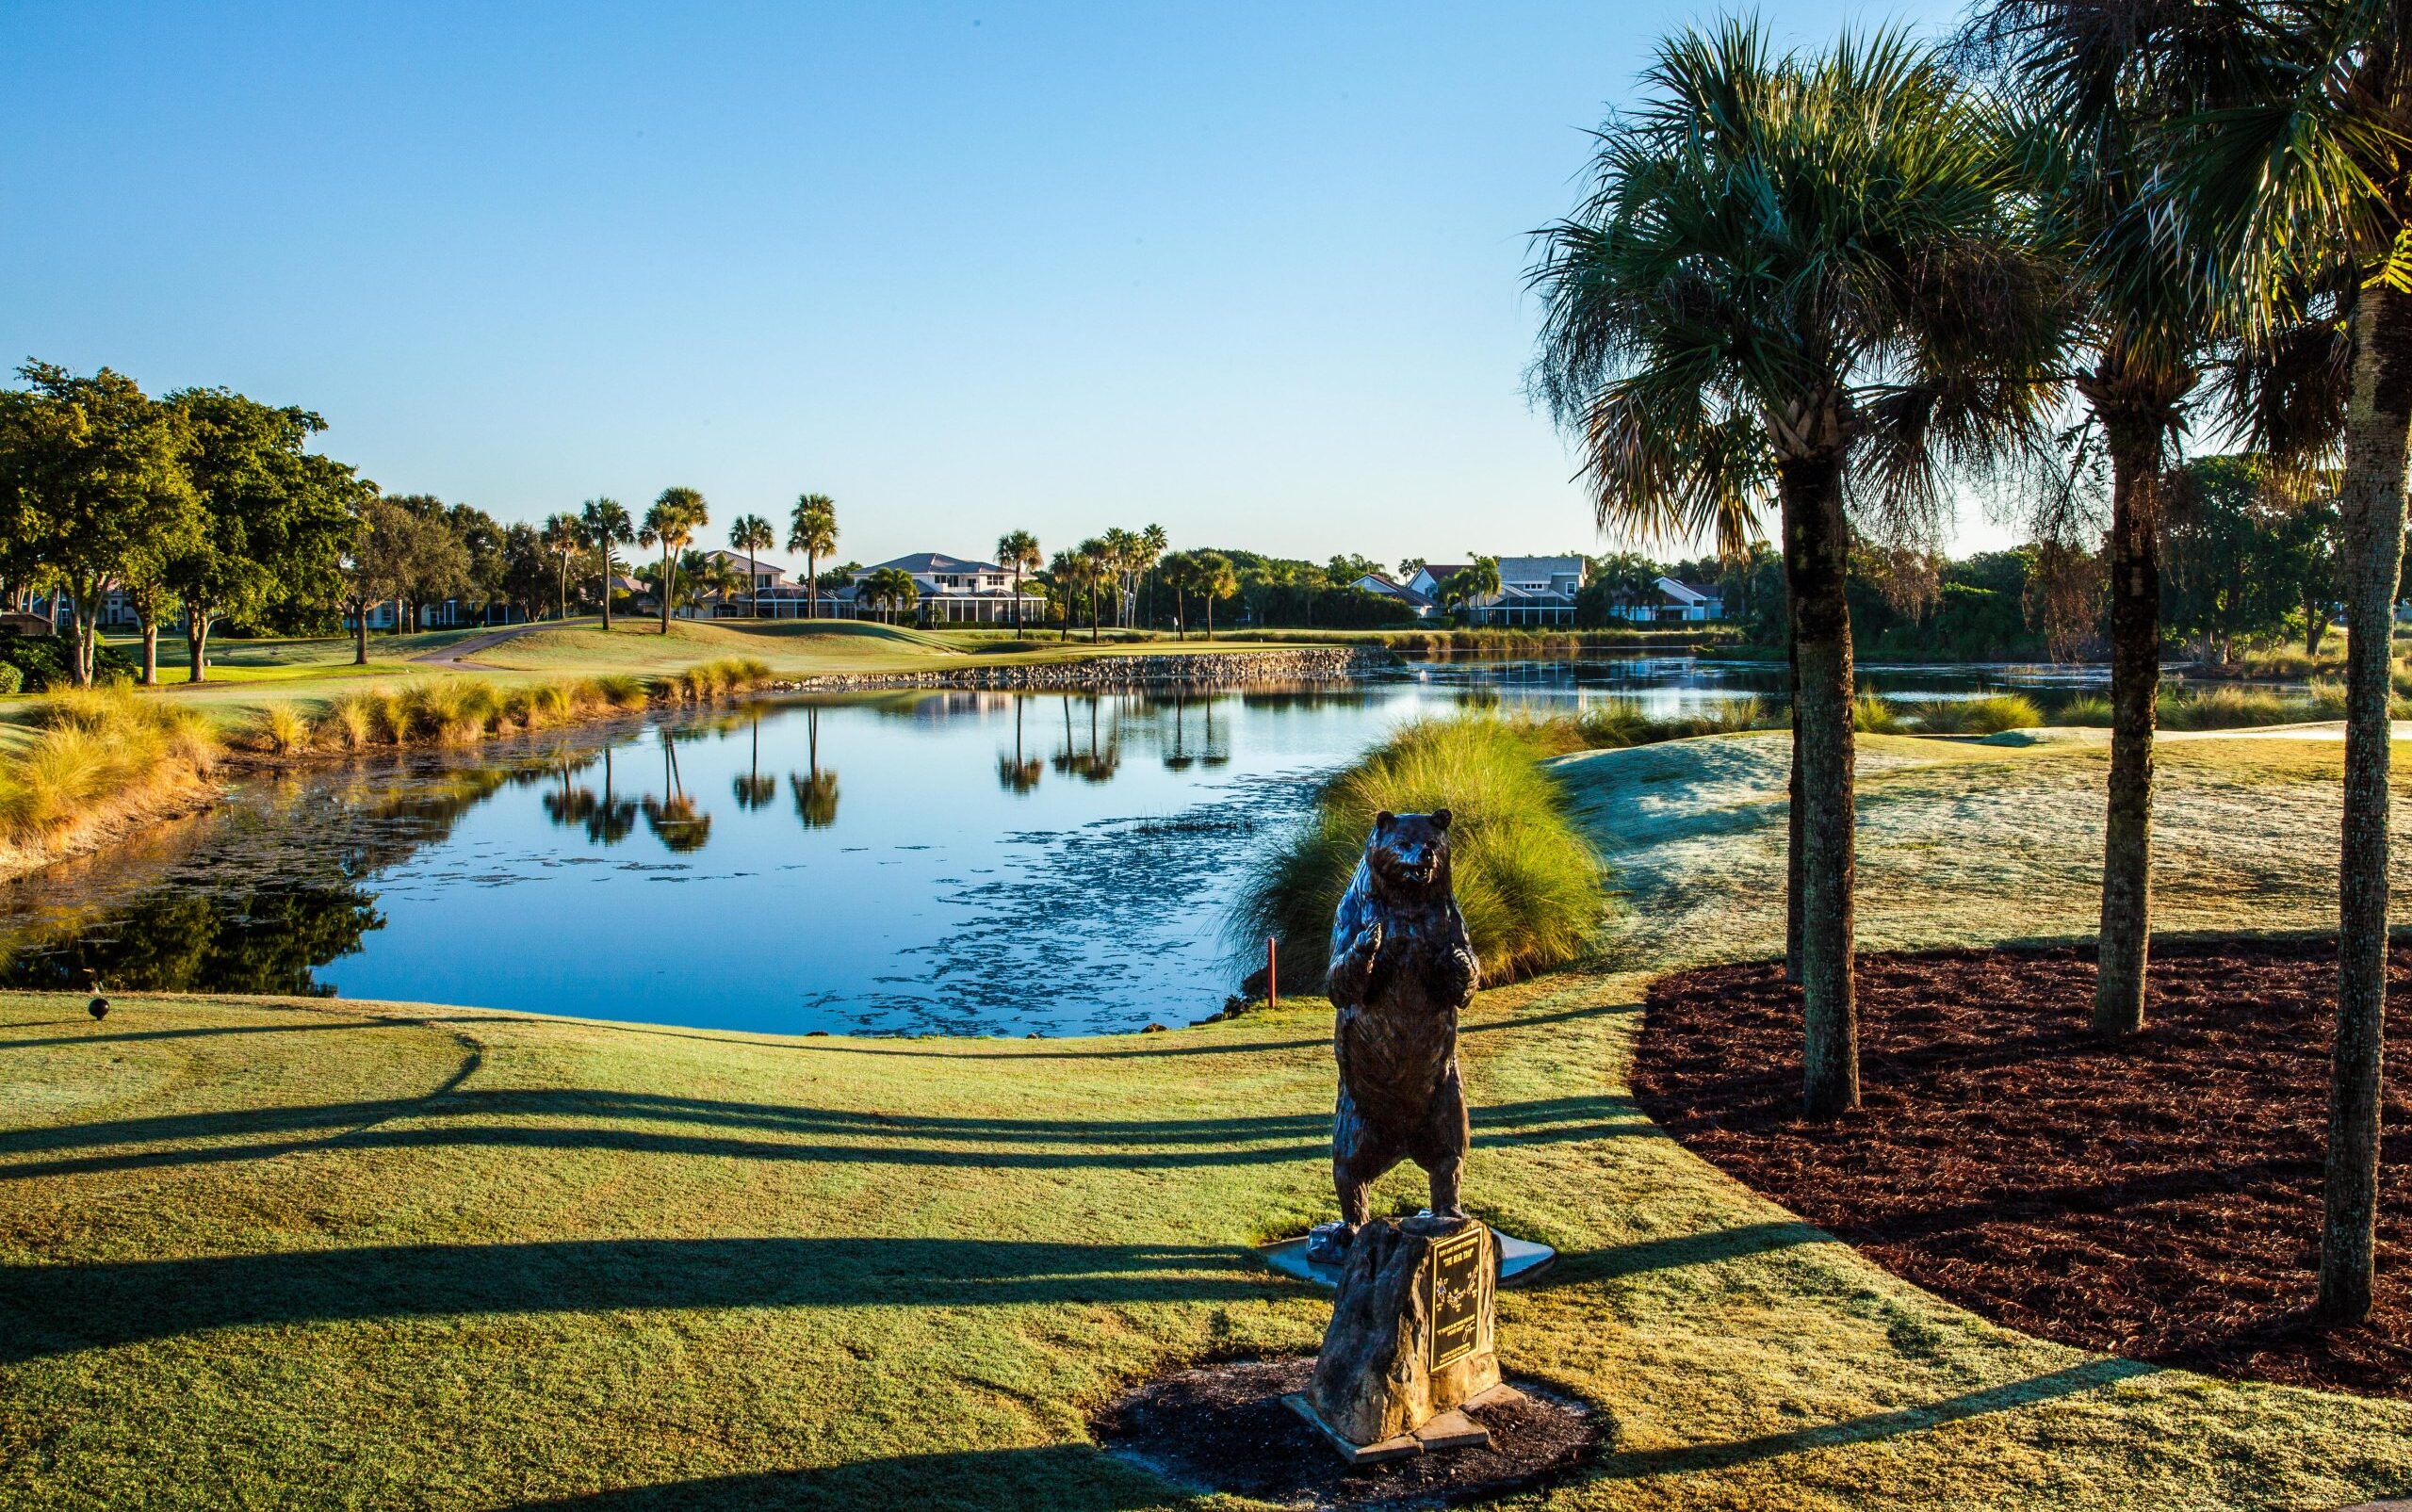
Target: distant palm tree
(892,589)
(1179,572)
(1099,559)
(1477,580)
(1066,571)
(1122,550)
(607,526)
(1153,544)
(1215,578)
(750,534)
(563,538)
(812,529)
(1795,280)
(671,524)
(1018,551)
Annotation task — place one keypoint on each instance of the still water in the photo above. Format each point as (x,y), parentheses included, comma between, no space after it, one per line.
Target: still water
(906,863)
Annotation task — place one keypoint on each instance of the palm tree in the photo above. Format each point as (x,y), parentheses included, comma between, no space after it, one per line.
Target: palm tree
(1477,580)
(672,524)
(1153,544)
(812,529)
(1179,572)
(1797,277)
(607,526)
(1018,550)
(2295,166)
(1121,560)
(751,533)
(1097,567)
(2141,288)
(892,589)
(1215,580)
(563,538)
(1066,571)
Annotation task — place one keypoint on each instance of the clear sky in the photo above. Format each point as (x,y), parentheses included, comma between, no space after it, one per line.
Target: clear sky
(1250,271)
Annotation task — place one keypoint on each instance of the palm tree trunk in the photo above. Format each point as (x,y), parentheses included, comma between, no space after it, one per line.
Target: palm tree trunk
(2378,419)
(663,587)
(811,586)
(1817,542)
(1092,614)
(607,586)
(1795,855)
(2135,690)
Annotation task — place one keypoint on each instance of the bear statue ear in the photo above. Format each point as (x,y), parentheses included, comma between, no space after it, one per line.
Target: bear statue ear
(1385,819)
(1440,818)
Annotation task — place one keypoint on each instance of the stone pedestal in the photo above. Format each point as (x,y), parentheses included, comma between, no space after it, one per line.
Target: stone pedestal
(1414,1329)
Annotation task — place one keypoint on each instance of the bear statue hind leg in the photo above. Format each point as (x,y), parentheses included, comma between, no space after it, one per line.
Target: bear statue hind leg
(1440,1147)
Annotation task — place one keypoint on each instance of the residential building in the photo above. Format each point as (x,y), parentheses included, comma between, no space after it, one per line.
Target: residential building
(1532,590)
(954,591)
(1425,605)
(1674,602)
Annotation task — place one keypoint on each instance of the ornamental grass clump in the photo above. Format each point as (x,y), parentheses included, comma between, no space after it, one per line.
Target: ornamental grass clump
(1988,715)
(1526,880)
(99,751)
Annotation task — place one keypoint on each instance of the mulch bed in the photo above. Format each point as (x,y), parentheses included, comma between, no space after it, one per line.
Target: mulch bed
(1223,1429)
(2157,1197)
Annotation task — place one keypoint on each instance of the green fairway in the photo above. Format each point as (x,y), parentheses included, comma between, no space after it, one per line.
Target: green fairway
(308,1253)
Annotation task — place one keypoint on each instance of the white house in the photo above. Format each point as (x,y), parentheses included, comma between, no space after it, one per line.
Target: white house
(953,591)
(1425,605)
(1532,590)
(1676,602)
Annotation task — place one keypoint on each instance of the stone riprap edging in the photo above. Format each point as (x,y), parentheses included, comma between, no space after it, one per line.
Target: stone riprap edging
(1207,669)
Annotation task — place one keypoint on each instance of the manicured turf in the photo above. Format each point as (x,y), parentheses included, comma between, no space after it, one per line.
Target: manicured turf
(307,1254)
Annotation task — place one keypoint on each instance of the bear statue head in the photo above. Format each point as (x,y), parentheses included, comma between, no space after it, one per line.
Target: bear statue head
(1409,853)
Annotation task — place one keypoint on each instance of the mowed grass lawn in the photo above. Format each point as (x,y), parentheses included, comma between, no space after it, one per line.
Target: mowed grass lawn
(312,1254)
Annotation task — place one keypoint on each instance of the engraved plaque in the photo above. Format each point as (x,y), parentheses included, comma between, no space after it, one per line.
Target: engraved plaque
(1457,1281)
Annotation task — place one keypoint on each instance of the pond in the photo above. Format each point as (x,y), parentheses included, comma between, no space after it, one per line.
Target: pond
(916,862)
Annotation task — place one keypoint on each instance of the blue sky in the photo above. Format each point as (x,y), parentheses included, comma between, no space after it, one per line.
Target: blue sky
(1252,272)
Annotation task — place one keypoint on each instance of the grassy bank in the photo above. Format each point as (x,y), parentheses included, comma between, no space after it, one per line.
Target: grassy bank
(382,1256)
(459,710)
(1526,878)
(81,765)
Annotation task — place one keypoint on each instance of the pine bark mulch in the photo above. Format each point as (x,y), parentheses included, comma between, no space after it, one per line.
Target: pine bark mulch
(2157,1198)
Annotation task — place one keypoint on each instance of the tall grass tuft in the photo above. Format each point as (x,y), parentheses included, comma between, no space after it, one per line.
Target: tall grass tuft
(1988,715)
(1526,878)
(1873,714)
(283,728)
(97,750)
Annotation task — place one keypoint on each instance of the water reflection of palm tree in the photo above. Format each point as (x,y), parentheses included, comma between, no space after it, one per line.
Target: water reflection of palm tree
(673,818)
(1218,754)
(1101,760)
(754,790)
(1014,774)
(569,804)
(1178,758)
(615,816)
(815,792)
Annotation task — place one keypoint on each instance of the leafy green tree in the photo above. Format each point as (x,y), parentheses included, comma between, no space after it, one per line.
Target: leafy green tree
(377,564)
(607,528)
(535,566)
(1346,567)
(750,534)
(92,470)
(1799,276)
(1621,580)
(812,529)
(1018,552)
(275,517)
(2245,559)
(671,524)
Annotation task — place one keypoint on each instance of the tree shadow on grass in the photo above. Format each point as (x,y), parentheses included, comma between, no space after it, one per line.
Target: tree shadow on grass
(634,1123)
(1069,1477)
(55,1309)
(2094,1375)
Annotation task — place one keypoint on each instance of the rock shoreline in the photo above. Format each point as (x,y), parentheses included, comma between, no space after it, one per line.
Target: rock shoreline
(1209,669)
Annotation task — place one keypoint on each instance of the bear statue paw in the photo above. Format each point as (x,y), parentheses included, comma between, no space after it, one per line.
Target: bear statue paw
(1327,1242)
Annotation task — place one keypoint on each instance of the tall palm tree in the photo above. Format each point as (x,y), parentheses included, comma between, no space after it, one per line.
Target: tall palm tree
(2297,165)
(1179,572)
(1121,560)
(563,538)
(751,533)
(1478,579)
(671,524)
(1018,550)
(892,589)
(1796,277)
(1099,564)
(812,529)
(1067,573)
(606,526)
(1153,544)
(2084,121)
(1215,580)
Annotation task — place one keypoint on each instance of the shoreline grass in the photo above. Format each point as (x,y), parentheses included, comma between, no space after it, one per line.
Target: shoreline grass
(96,753)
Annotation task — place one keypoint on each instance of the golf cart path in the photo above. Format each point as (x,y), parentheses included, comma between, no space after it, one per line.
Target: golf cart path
(460,651)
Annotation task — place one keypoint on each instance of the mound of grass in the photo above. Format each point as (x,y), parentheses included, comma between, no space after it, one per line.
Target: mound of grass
(1526,878)
(1988,715)
(97,750)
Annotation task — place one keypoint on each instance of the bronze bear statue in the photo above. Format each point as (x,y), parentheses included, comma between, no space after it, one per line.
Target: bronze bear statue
(1402,967)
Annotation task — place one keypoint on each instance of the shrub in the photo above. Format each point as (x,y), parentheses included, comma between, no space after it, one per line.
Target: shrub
(282,729)
(1526,878)
(350,722)
(2086,708)
(12,680)
(1873,715)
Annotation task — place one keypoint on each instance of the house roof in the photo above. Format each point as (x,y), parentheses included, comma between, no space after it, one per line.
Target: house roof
(1528,569)
(1699,588)
(1441,572)
(737,559)
(1376,582)
(925,564)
